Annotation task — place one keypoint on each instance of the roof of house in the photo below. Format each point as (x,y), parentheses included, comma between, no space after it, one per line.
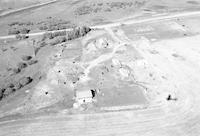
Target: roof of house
(83,94)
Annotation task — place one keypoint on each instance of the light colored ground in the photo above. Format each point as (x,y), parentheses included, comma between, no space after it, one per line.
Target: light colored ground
(135,67)
(97,12)
(15,4)
(173,118)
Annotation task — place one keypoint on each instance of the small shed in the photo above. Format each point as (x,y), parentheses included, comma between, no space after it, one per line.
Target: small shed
(84,96)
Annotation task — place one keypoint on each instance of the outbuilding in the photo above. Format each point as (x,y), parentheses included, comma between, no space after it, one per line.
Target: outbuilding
(84,96)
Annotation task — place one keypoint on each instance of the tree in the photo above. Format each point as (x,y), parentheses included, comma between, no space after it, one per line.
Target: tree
(24,31)
(18,86)
(2,90)
(8,91)
(25,80)
(31,62)
(26,58)
(21,65)
(21,36)
(13,31)
(16,70)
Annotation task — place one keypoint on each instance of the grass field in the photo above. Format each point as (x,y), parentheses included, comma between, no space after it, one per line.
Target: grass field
(138,75)
(91,13)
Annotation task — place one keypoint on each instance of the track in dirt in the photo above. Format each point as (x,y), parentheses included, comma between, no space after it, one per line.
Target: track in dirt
(7,13)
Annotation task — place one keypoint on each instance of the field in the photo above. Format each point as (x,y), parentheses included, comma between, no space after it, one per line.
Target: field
(90,13)
(14,4)
(105,67)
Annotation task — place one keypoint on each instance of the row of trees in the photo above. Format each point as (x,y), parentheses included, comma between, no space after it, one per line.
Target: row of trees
(73,34)
(18,30)
(63,36)
(22,65)
(16,23)
(12,87)
(50,26)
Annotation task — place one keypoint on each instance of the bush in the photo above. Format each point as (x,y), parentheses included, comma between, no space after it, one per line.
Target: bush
(26,58)
(13,31)
(8,69)
(24,31)
(10,85)
(56,27)
(78,32)
(43,27)
(51,25)
(84,30)
(1,95)
(16,70)
(21,65)
(54,41)
(63,36)
(21,37)
(48,35)
(83,10)
(25,80)
(18,30)
(18,86)
(71,35)
(42,43)
(20,23)
(36,50)
(14,23)
(58,40)
(97,10)
(121,4)
(2,90)
(8,91)
(31,62)
(100,4)
(108,10)
(51,35)
(60,33)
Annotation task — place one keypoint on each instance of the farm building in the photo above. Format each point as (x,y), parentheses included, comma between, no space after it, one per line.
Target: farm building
(84,96)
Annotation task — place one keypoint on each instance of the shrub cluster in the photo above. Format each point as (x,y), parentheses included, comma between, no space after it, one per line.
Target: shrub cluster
(21,36)
(11,88)
(63,36)
(20,66)
(20,24)
(95,8)
(18,30)
(51,35)
(31,62)
(39,45)
(120,4)
(57,40)
(86,9)
(78,32)
(26,57)
(51,25)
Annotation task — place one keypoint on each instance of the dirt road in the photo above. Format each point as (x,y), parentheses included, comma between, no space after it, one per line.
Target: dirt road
(6,13)
(103,57)
(171,118)
(180,118)
(125,22)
